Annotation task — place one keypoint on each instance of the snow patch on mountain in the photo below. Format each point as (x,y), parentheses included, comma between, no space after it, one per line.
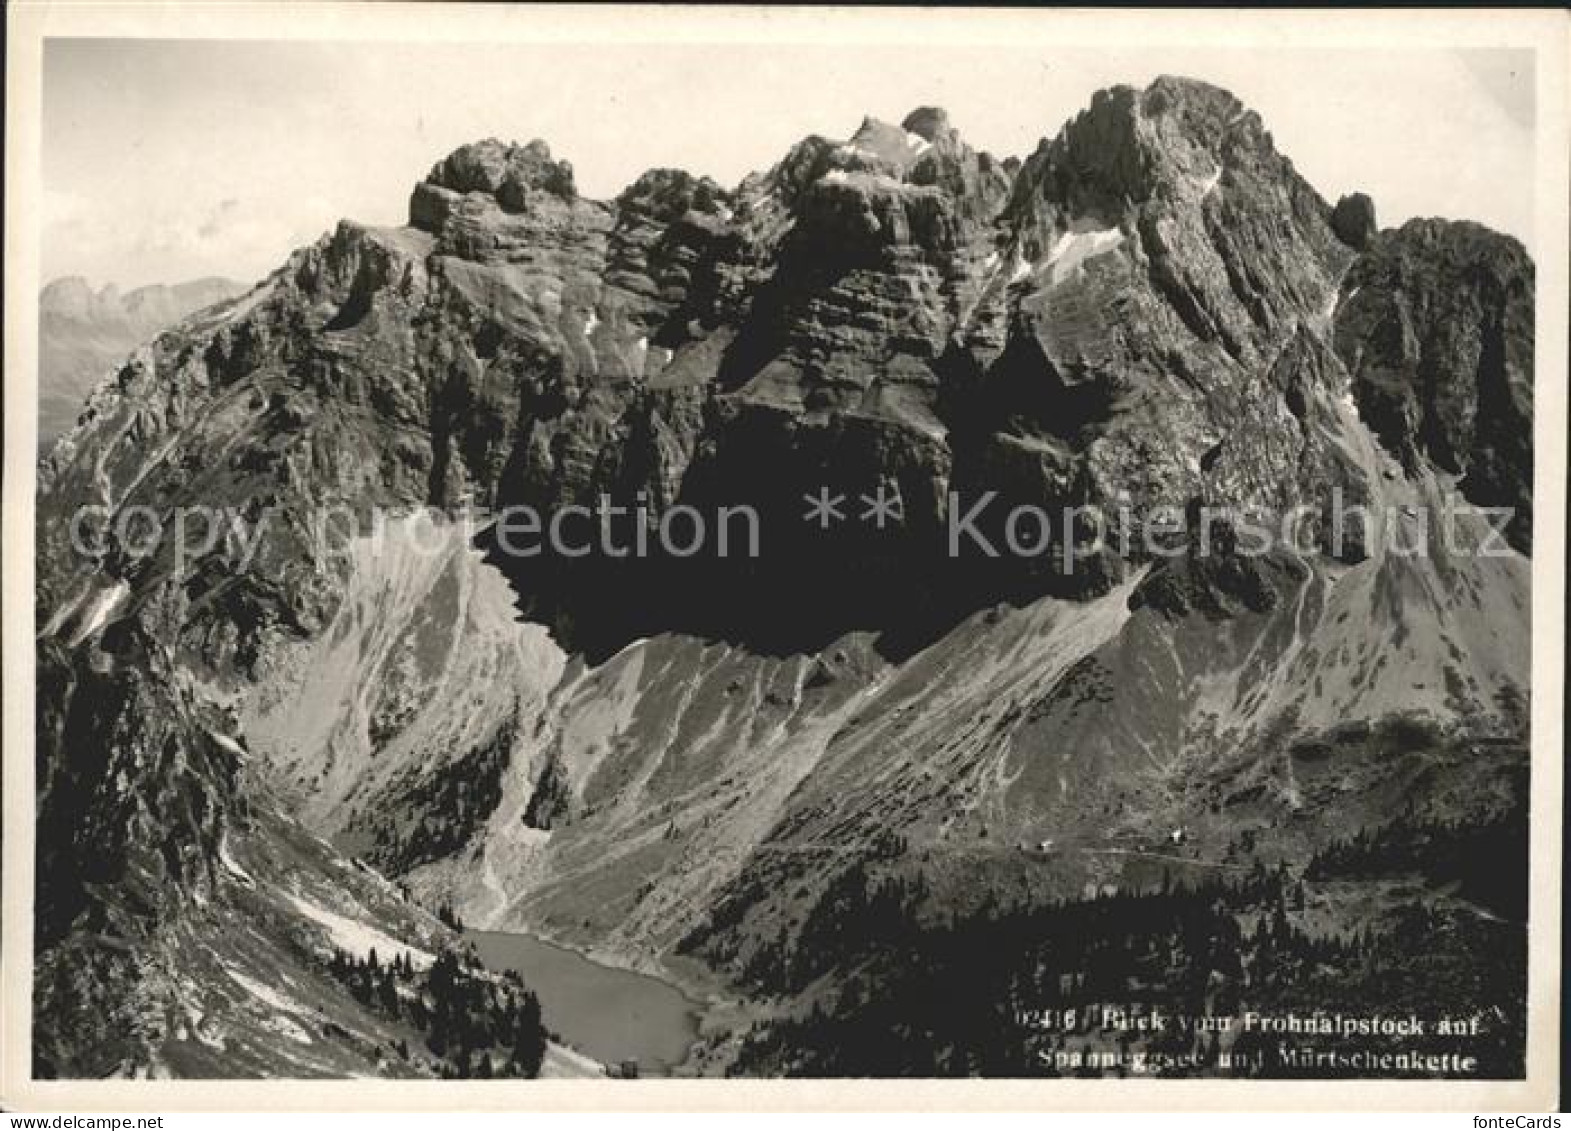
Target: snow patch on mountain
(357,938)
(1208,186)
(227,743)
(1073,248)
(231,865)
(1333,303)
(263,993)
(102,606)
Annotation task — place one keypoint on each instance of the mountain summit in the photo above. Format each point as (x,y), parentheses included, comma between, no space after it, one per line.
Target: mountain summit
(732,757)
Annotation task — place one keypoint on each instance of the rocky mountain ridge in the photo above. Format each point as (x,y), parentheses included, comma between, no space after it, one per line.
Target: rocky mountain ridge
(83,334)
(1150,314)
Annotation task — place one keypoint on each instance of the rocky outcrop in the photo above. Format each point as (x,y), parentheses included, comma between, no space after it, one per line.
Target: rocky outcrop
(1152,316)
(84,334)
(1168,276)
(1353,220)
(1436,328)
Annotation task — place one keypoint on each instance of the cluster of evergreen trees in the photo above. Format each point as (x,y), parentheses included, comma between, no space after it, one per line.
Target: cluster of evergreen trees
(1486,860)
(475,1024)
(936,996)
(432,815)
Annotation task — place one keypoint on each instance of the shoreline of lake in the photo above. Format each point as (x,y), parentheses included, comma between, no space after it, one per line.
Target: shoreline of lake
(610,1013)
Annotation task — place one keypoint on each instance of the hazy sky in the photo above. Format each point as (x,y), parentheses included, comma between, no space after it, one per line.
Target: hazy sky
(164,159)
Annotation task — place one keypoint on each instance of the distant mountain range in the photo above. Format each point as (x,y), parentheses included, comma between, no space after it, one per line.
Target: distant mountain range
(83,333)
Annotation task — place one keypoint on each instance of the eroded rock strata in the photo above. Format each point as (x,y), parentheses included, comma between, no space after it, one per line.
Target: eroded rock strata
(663,756)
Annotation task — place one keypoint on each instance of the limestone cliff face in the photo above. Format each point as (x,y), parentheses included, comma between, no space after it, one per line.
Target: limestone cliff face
(1153,311)
(1436,328)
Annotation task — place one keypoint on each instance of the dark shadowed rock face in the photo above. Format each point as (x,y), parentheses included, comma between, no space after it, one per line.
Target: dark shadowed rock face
(1353,220)
(1135,318)
(897,307)
(1436,327)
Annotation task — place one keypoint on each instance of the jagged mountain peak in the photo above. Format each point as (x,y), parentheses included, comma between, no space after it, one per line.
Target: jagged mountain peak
(487,181)
(1157,315)
(490,166)
(66,293)
(1463,241)
(1169,92)
(1435,324)
(930,122)
(514,178)
(1130,145)
(909,152)
(84,333)
(881,142)
(72,296)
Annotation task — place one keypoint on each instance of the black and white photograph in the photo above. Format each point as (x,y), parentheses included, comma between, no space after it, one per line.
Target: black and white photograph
(623,550)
